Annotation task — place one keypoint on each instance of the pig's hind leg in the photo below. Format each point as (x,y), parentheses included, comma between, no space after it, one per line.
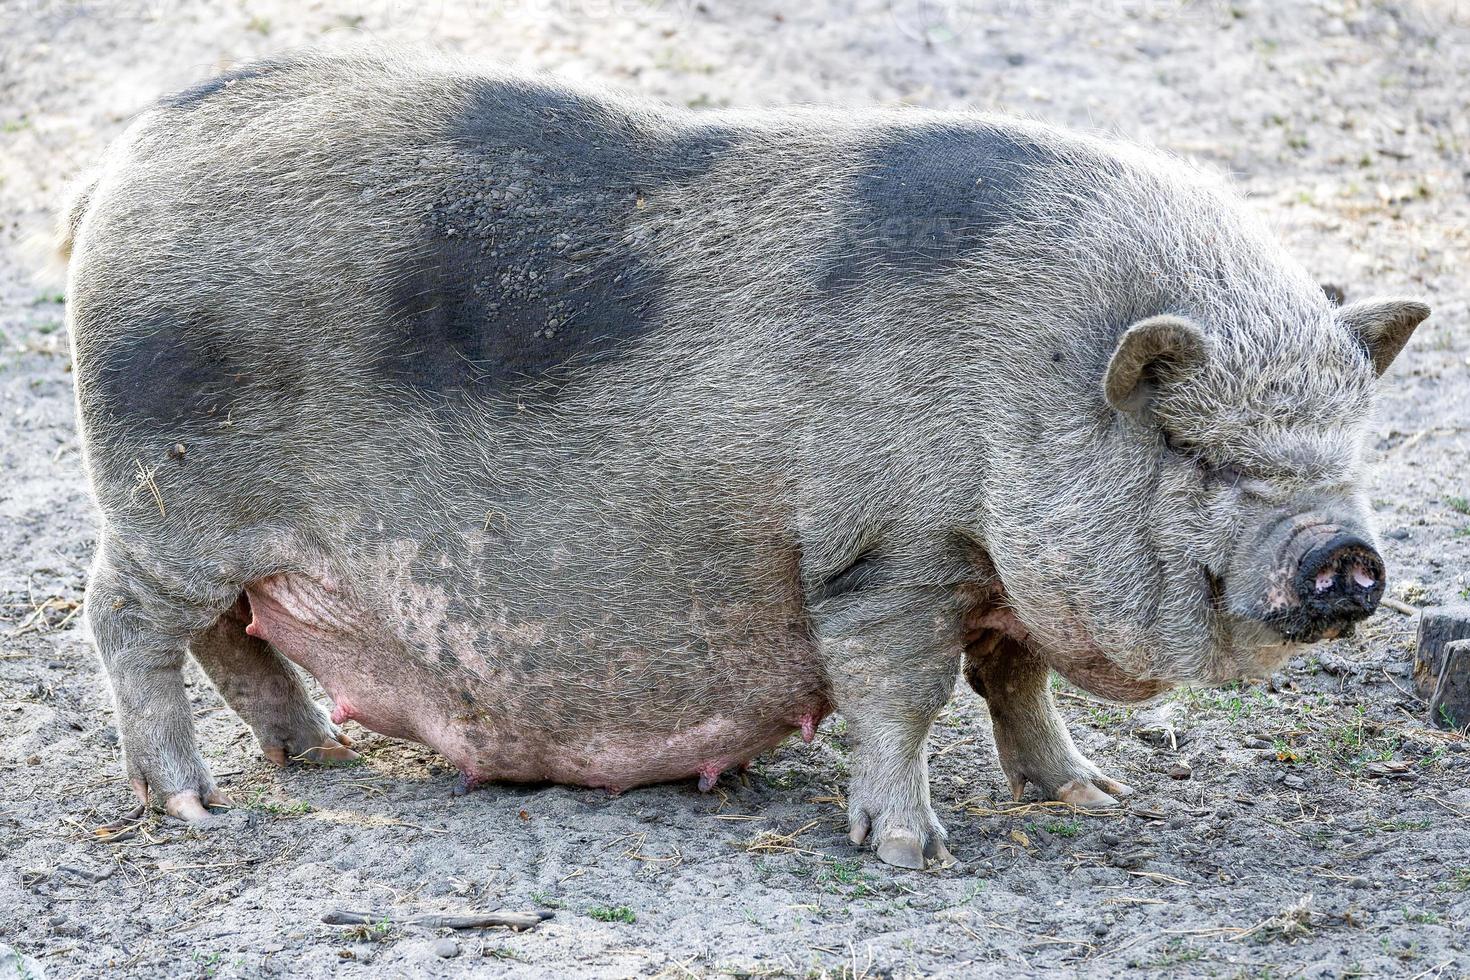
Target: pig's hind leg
(1030,736)
(891,673)
(267,692)
(141,634)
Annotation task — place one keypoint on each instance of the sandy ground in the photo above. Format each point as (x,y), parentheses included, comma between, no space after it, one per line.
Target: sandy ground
(1305,826)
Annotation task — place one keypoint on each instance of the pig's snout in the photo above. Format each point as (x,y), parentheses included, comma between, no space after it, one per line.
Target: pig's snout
(1329,579)
(1340,581)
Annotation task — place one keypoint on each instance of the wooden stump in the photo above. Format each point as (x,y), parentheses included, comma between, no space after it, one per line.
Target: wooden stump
(1442,665)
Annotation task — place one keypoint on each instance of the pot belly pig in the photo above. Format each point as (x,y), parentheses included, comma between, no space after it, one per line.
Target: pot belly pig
(597,442)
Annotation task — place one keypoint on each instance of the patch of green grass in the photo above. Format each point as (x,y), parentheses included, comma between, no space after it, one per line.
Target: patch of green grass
(57,298)
(1427,917)
(849,878)
(781,780)
(1461,504)
(1104,716)
(545,900)
(614,913)
(1063,828)
(850,875)
(1400,824)
(1177,953)
(1358,742)
(503,953)
(972,893)
(371,932)
(279,808)
(15,125)
(1236,701)
(209,963)
(1458,881)
(295,808)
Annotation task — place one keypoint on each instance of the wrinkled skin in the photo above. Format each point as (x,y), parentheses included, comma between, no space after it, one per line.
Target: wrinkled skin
(603,444)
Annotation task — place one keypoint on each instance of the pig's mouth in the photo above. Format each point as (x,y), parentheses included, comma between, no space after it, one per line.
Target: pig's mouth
(1247,647)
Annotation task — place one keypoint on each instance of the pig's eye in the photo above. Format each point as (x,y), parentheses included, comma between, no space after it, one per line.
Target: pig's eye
(1211,473)
(1224,475)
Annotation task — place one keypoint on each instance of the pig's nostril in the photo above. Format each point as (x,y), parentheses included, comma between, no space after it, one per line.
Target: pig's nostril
(1341,579)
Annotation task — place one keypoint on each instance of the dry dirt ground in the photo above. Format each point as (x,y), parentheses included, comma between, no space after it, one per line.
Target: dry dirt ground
(1318,828)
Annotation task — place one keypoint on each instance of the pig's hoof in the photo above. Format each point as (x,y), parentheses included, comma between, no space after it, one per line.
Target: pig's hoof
(1076,781)
(903,847)
(188,806)
(191,804)
(328,749)
(1099,791)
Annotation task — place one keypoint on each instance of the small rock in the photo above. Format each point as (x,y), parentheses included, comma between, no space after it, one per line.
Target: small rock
(1293,781)
(447,948)
(1130,859)
(1180,770)
(1257,742)
(1390,769)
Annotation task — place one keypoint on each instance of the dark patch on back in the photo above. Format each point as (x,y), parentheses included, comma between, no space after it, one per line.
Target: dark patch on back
(929,194)
(526,271)
(196,94)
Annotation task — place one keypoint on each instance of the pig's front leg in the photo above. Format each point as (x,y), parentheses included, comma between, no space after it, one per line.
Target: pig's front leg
(1030,737)
(890,676)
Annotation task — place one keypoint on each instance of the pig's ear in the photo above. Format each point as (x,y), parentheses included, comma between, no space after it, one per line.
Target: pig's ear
(1383,326)
(1150,348)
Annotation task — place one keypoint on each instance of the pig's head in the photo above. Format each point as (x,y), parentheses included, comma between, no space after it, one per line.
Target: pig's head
(1207,517)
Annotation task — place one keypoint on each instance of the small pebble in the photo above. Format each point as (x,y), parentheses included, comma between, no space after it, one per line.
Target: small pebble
(1293,781)
(446,948)
(1180,771)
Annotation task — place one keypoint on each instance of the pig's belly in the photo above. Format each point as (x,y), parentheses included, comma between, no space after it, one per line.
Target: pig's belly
(473,694)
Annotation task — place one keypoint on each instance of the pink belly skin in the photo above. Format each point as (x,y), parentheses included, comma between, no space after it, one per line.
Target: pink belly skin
(479,717)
